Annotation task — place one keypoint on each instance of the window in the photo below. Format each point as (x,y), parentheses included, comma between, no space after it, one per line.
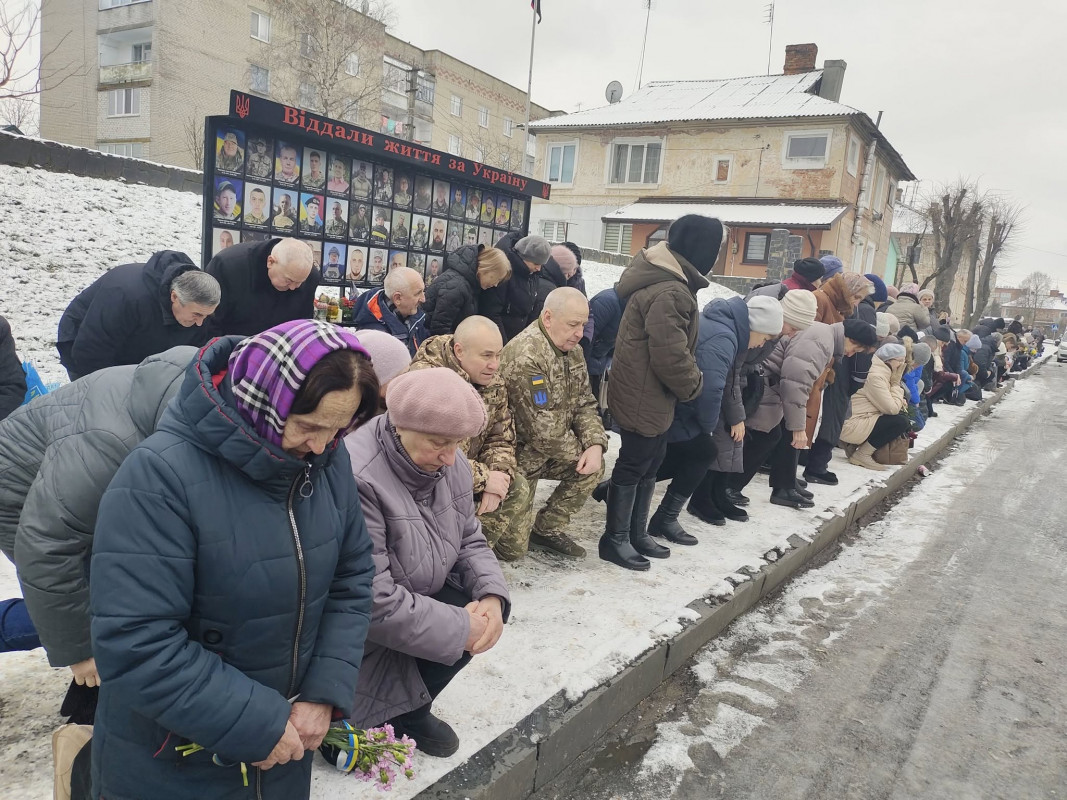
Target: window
(457,106)
(142,53)
(509,126)
(853,156)
(479,154)
(505,159)
(259,79)
(351,112)
(878,198)
(128,149)
(104,4)
(891,195)
(554,230)
(483,116)
(561,159)
(352,65)
(124,103)
(455,144)
(425,88)
(722,169)
(260,26)
(309,48)
(308,96)
(617,237)
(872,248)
(806,149)
(395,76)
(756,246)
(635,162)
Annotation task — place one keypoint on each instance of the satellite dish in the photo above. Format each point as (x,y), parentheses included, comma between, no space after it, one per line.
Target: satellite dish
(614,92)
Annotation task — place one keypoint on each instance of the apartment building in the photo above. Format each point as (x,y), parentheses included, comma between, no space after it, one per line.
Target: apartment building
(137,77)
(758,152)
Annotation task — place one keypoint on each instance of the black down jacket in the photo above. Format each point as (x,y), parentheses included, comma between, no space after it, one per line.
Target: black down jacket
(57,456)
(222,587)
(454,295)
(124,316)
(12,376)
(516,302)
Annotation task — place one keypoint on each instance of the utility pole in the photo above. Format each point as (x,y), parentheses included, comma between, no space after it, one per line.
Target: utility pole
(529,86)
(644,43)
(769,19)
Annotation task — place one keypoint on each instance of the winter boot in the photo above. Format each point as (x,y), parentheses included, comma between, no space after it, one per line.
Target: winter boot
(556,542)
(665,521)
(735,497)
(615,543)
(826,478)
(639,538)
(724,506)
(790,498)
(600,493)
(864,457)
(433,736)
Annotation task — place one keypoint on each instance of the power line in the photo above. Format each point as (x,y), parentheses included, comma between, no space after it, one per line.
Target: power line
(1039,250)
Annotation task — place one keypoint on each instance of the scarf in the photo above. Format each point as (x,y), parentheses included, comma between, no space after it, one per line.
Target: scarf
(267,370)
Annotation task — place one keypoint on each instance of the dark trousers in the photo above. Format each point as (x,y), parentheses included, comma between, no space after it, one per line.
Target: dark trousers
(887,428)
(775,446)
(639,458)
(686,464)
(819,456)
(64,349)
(594,385)
(434,674)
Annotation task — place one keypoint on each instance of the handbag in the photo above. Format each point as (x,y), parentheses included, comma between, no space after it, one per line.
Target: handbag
(894,453)
(752,393)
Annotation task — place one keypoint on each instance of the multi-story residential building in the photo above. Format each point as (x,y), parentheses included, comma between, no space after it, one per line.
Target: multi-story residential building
(763,152)
(137,77)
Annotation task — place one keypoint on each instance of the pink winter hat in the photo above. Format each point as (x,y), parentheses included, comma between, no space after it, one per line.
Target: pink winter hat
(438,402)
(388,355)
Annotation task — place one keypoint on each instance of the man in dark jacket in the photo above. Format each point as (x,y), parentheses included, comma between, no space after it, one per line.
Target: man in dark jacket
(395,308)
(134,311)
(653,369)
(263,284)
(518,301)
(605,312)
(12,376)
(1016,326)
(808,273)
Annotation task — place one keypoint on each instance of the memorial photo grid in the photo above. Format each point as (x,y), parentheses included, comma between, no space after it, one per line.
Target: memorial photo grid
(360,215)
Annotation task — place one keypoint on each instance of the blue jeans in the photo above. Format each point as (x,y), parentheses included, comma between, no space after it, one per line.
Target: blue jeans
(16,629)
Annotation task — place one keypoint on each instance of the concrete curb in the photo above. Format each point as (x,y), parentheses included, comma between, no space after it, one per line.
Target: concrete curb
(543,744)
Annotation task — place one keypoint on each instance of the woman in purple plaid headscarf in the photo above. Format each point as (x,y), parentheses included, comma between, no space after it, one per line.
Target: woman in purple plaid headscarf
(232,573)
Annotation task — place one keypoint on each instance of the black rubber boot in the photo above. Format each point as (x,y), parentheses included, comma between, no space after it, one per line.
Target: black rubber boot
(615,543)
(600,493)
(639,538)
(725,507)
(433,736)
(665,521)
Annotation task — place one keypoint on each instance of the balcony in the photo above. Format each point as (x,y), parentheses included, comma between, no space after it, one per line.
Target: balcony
(124,15)
(136,72)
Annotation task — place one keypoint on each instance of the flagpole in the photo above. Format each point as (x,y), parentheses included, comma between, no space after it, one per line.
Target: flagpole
(529,85)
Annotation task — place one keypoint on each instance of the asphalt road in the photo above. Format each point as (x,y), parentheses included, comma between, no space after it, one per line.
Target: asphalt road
(926,661)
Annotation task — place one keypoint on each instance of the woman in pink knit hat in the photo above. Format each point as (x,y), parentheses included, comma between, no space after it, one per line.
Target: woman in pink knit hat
(415,488)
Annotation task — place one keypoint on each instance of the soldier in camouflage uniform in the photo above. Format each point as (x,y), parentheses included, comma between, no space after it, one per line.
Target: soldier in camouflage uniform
(338,225)
(559,432)
(231,157)
(500,490)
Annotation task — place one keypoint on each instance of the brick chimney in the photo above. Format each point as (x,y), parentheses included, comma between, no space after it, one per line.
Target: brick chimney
(800,58)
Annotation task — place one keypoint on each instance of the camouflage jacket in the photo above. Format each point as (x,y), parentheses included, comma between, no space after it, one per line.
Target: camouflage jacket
(494,449)
(553,406)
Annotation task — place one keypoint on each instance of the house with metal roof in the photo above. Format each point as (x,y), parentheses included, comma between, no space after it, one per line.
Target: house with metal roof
(759,153)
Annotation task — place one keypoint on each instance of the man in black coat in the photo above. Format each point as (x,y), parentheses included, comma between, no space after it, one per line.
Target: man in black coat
(12,376)
(134,311)
(518,301)
(263,284)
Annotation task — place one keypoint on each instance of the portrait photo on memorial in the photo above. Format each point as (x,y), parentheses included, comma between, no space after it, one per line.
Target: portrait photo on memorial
(227,205)
(401,231)
(438,230)
(485,236)
(286,164)
(259,157)
(503,211)
(283,210)
(338,182)
(379,258)
(362,179)
(420,232)
(441,195)
(402,189)
(357,263)
(257,206)
(310,213)
(254,236)
(336,218)
(470,234)
(474,205)
(379,232)
(433,268)
(423,193)
(333,264)
(359,222)
(456,205)
(417,261)
(316,251)
(230,151)
(398,258)
(314,171)
(454,239)
(221,238)
(488,209)
(518,214)
(383,184)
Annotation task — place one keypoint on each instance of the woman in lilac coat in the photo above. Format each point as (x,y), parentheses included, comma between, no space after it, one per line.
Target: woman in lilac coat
(439,595)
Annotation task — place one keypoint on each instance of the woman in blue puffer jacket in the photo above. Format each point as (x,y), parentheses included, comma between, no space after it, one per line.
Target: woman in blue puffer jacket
(232,573)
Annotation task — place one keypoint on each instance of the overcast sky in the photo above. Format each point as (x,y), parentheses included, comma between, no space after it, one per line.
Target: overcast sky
(969,87)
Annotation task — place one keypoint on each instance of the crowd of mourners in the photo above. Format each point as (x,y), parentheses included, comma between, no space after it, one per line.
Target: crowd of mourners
(237,525)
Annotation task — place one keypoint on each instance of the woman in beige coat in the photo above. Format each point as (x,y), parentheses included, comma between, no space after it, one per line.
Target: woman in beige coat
(876,408)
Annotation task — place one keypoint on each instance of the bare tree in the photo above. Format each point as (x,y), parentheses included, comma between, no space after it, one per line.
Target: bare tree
(193,134)
(22,112)
(481,144)
(1037,288)
(325,55)
(955,216)
(1003,226)
(20,71)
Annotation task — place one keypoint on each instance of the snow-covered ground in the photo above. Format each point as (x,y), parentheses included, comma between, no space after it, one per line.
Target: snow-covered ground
(574,624)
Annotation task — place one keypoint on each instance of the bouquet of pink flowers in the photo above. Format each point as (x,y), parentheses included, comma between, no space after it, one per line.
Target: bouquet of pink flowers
(375,754)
